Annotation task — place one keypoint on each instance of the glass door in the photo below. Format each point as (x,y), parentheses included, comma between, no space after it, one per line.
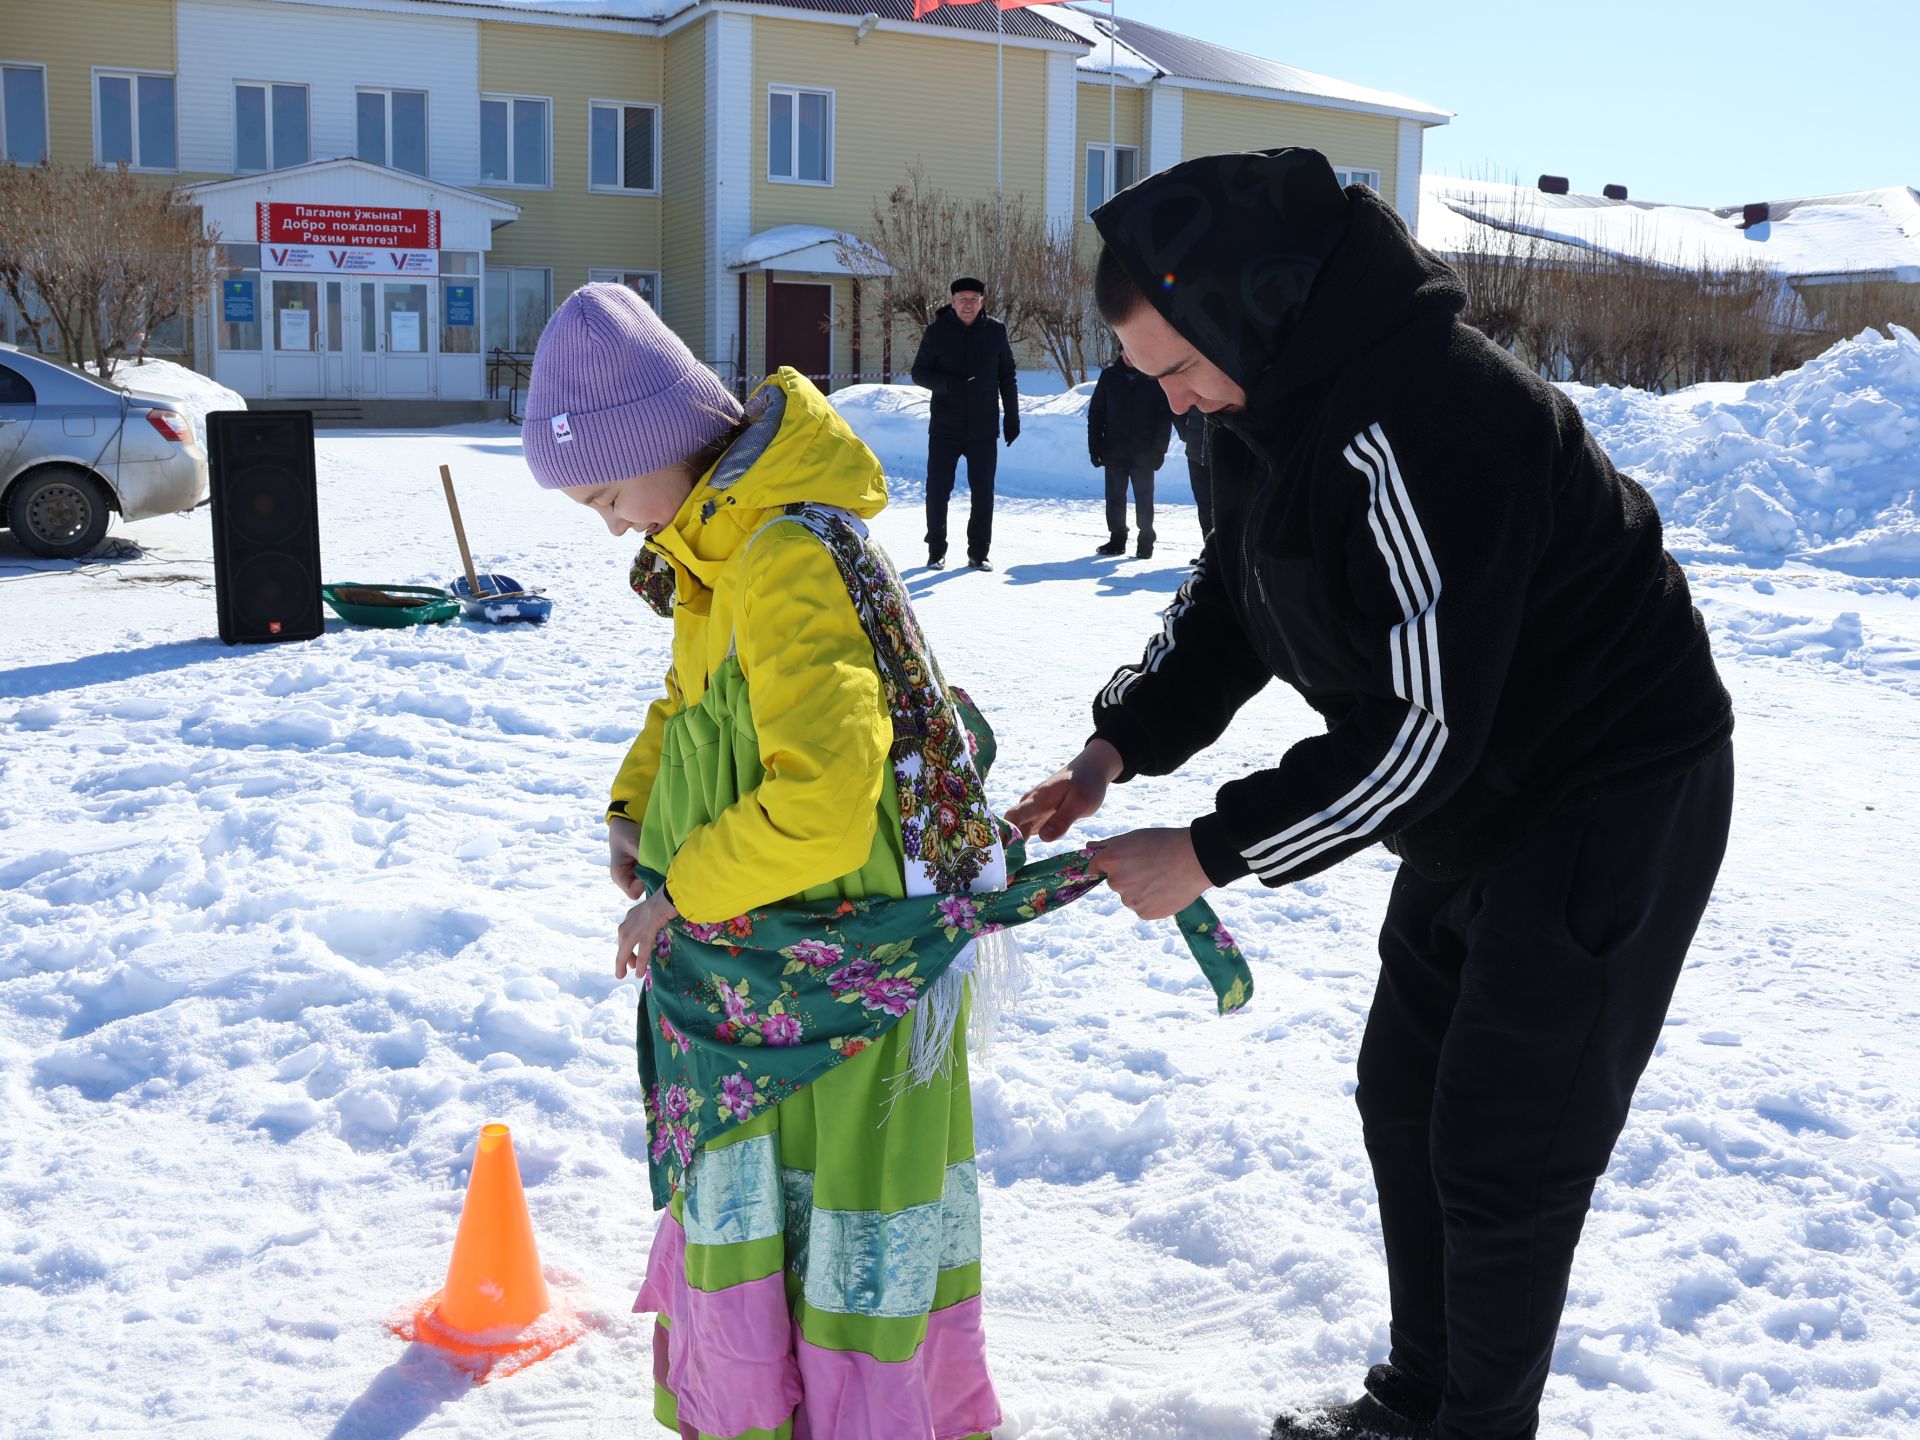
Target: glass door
(334,326)
(406,339)
(295,326)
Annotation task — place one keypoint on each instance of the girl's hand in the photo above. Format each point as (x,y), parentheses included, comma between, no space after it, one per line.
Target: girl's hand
(623,848)
(639,931)
(1068,796)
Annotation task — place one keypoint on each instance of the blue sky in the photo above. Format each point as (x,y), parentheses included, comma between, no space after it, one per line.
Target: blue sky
(1706,102)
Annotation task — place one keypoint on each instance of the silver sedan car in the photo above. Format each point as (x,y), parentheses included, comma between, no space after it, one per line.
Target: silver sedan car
(73,450)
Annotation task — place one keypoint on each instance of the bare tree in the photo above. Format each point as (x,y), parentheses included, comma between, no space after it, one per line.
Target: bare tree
(107,256)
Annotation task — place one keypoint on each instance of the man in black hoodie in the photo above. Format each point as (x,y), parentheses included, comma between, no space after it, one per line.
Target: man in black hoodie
(1419,535)
(965,360)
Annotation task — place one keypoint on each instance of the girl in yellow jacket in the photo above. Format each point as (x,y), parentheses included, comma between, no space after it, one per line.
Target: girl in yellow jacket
(819,1271)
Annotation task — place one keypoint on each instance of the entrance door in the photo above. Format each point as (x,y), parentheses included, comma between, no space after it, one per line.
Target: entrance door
(797,320)
(364,353)
(339,358)
(294,337)
(406,339)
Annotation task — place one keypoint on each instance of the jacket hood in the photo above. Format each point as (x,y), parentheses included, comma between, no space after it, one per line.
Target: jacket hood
(796,449)
(1269,268)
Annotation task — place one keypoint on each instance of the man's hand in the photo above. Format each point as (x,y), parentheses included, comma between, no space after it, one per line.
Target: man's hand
(1068,796)
(638,932)
(1154,872)
(623,846)
(1012,433)
(1097,462)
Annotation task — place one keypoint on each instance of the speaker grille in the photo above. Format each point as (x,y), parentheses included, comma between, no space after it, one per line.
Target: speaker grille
(266,534)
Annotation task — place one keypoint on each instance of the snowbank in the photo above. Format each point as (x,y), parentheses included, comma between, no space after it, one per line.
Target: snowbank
(1817,464)
(193,392)
(1049,460)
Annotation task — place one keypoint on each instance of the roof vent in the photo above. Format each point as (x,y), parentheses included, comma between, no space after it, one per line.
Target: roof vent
(1615,192)
(1553,184)
(1751,215)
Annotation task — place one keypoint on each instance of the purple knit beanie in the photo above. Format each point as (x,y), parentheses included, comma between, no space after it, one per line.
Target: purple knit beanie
(616,394)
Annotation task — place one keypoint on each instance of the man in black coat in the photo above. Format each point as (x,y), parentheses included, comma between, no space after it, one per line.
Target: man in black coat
(965,360)
(1128,427)
(1419,535)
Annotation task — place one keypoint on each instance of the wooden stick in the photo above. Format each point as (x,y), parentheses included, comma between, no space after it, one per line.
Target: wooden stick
(460,534)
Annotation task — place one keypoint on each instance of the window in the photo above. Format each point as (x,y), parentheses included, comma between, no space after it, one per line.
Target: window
(1349,176)
(240,299)
(519,299)
(23,114)
(15,388)
(392,128)
(1102,186)
(513,140)
(133,121)
(623,147)
(644,283)
(459,302)
(800,136)
(269,127)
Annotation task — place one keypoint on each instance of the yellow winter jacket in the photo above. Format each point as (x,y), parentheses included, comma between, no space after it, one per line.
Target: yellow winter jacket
(763,773)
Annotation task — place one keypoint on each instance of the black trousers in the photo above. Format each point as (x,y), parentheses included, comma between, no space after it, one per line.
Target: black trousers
(1202,482)
(1141,476)
(1514,1015)
(943,458)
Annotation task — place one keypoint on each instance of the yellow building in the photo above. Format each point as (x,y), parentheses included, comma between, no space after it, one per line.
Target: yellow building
(404,188)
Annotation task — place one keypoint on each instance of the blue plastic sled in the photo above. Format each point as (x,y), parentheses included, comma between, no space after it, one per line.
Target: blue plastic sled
(500,600)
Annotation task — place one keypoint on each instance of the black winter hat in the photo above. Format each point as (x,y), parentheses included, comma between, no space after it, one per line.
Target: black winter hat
(967,282)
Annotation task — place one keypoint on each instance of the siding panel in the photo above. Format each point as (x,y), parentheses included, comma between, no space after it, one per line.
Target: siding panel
(1215,124)
(72,37)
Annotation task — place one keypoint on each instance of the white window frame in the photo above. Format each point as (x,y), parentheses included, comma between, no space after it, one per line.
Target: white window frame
(387,92)
(620,154)
(1107,168)
(617,275)
(1357,175)
(508,98)
(46,106)
(794,92)
(121,72)
(269,86)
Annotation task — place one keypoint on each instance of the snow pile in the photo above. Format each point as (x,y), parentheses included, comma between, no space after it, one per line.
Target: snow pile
(1817,464)
(194,393)
(1049,460)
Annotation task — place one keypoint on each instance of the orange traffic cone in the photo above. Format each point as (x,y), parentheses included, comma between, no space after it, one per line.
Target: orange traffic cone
(494,1314)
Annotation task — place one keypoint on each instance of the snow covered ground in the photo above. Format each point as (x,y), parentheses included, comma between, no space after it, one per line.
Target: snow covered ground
(280,928)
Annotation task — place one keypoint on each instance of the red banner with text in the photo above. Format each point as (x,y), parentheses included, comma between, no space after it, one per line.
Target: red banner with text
(375,227)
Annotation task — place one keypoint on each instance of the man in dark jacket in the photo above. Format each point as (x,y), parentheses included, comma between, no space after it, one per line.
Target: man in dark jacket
(965,360)
(1128,427)
(1419,535)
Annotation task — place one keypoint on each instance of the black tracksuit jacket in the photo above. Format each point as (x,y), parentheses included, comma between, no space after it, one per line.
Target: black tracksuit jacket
(970,370)
(1412,530)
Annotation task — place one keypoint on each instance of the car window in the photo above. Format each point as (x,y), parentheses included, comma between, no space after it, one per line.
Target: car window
(14,389)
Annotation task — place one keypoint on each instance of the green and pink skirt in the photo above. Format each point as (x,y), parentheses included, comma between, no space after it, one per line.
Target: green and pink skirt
(819,1279)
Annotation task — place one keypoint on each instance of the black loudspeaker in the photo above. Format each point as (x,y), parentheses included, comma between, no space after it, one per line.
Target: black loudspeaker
(266,525)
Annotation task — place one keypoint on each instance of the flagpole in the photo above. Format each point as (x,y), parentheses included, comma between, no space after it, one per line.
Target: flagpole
(1113,80)
(1000,101)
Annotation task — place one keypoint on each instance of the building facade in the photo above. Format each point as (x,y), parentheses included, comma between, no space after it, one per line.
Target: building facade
(402,188)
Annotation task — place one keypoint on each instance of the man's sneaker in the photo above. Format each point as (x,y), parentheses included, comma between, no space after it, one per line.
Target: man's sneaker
(1394,1408)
(936,560)
(980,564)
(1116,546)
(1145,552)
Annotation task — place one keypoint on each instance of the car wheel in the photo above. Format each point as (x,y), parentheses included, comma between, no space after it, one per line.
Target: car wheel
(58,513)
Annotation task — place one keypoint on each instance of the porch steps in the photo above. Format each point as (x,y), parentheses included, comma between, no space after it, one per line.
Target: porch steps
(390,414)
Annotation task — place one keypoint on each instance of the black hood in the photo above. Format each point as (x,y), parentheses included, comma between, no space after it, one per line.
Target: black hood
(1269,269)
